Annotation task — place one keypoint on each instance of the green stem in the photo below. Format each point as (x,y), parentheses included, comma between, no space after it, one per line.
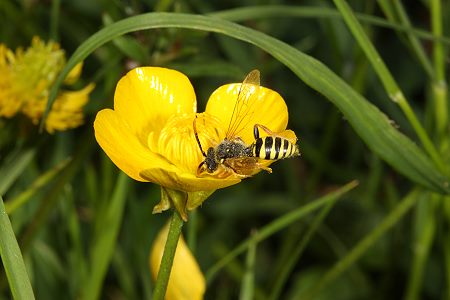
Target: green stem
(389,83)
(438,49)
(12,204)
(416,46)
(283,276)
(51,197)
(439,86)
(167,259)
(104,238)
(426,229)
(54,20)
(248,281)
(446,246)
(12,259)
(315,12)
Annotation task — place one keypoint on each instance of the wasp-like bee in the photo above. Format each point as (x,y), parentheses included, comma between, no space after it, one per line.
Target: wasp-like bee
(233,154)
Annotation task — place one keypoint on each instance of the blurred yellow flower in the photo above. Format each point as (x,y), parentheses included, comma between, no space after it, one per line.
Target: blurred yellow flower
(150,136)
(186,280)
(26,77)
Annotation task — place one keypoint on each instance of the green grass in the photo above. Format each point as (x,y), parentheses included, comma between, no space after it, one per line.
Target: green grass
(366,88)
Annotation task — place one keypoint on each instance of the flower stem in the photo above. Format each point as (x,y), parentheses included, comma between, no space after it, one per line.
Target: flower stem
(439,85)
(167,259)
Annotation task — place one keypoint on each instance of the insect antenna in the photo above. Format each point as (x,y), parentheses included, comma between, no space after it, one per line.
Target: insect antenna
(196,137)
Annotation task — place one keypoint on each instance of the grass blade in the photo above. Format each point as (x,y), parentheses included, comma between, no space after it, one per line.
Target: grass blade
(394,11)
(51,197)
(12,259)
(105,239)
(278,224)
(248,281)
(439,87)
(285,11)
(341,266)
(424,236)
(390,85)
(282,278)
(14,167)
(41,181)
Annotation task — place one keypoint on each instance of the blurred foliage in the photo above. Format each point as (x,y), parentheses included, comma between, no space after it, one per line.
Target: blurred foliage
(89,207)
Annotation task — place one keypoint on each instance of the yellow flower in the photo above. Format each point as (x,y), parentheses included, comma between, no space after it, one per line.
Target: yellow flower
(9,102)
(150,136)
(186,280)
(66,112)
(26,79)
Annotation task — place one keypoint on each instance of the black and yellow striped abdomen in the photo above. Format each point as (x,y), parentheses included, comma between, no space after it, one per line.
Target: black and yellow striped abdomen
(273,148)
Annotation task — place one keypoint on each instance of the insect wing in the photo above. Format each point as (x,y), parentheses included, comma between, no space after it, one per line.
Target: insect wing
(244,108)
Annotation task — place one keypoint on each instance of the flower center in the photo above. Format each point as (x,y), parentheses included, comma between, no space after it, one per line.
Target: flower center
(177,142)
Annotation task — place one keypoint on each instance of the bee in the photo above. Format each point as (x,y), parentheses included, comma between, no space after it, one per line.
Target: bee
(233,155)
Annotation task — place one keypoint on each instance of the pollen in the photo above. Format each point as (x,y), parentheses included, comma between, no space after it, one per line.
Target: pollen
(177,140)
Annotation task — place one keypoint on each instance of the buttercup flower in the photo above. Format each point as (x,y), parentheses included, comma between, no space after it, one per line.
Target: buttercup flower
(186,280)
(26,77)
(150,134)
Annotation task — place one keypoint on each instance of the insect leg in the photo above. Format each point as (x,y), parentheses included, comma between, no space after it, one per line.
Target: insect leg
(286,134)
(201,168)
(256,131)
(196,136)
(262,167)
(264,128)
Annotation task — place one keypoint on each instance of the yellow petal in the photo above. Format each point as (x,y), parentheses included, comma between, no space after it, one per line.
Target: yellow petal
(177,141)
(146,97)
(67,111)
(74,74)
(9,101)
(186,280)
(177,180)
(267,108)
(115,136)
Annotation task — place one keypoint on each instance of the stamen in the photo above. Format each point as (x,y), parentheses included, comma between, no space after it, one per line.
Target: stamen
(177,142)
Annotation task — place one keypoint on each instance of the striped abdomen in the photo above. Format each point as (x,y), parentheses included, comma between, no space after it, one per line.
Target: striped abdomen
(273,148)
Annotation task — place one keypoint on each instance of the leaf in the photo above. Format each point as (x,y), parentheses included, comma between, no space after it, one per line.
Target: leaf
(12,259)
(13,168)
(104,240)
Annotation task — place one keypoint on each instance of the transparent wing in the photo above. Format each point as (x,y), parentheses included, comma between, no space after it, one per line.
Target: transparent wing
(244,108)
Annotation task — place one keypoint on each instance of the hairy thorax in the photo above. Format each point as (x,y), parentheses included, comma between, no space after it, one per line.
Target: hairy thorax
(232,149)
